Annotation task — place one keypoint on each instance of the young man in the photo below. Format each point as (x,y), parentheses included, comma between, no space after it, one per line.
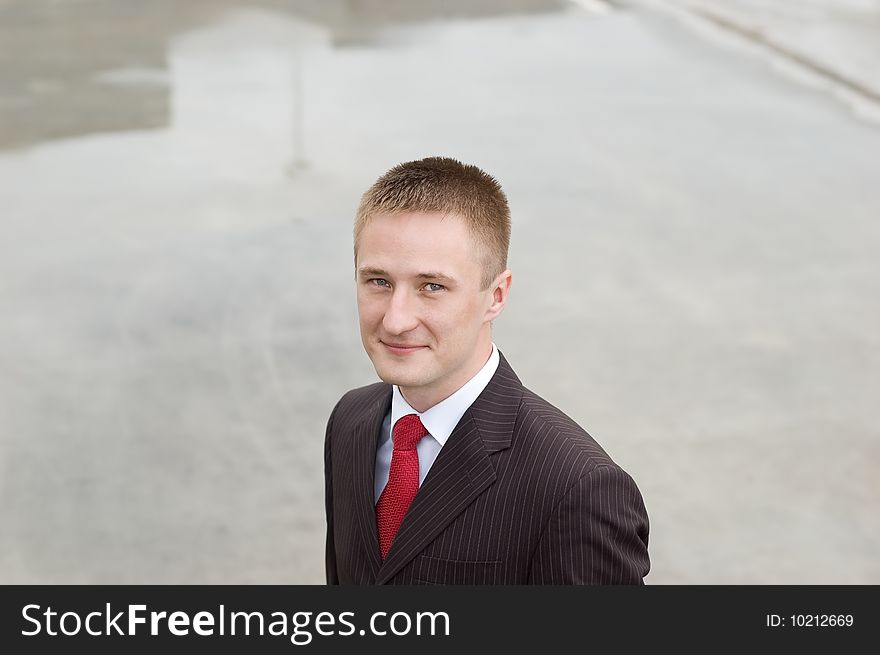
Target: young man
(450,471)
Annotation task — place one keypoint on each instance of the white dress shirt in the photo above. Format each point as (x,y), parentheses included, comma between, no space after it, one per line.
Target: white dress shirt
(439,420)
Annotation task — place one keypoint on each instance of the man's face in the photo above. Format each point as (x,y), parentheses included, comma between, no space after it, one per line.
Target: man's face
(424,319)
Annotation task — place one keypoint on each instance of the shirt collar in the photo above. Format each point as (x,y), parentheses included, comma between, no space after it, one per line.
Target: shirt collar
(441,419)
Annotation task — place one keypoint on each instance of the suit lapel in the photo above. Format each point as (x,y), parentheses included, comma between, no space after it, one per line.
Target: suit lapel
(461,472)
(365,439)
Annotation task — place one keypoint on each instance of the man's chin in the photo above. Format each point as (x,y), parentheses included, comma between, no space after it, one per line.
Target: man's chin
(400,380)
(402,375)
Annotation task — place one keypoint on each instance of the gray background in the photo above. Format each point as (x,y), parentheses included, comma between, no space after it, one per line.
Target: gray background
(695,196)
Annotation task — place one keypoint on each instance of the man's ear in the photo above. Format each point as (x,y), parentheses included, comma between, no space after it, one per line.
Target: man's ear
(500,289)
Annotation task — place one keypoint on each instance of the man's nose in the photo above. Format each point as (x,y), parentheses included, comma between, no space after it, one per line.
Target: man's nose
(401,315)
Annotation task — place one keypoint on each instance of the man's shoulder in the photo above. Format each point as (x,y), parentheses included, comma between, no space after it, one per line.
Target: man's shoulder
(364,399)
(366,392)
(541,423)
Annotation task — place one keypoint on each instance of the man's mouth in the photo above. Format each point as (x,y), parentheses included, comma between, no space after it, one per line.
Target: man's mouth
(401,348)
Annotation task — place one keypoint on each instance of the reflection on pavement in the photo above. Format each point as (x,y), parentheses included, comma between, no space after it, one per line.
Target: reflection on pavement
(76,68)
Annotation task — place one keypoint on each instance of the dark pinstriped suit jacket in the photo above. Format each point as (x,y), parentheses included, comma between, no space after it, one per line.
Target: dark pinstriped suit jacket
(520,494)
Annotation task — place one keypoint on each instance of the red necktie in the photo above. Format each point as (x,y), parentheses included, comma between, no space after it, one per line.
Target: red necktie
(403,479)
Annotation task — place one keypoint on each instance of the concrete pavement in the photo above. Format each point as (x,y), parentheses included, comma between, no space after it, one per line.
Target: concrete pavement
(694,256)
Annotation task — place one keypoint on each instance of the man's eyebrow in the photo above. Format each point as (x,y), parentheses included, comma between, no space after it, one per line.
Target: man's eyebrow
(435,276)
(370,270)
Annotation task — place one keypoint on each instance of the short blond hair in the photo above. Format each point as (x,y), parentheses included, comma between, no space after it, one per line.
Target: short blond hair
(446,186)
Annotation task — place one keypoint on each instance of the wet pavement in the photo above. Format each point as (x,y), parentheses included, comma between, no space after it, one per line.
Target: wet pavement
(694,256)
(837,39)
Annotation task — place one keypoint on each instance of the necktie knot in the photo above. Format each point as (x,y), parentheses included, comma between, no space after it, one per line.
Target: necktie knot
(408,431)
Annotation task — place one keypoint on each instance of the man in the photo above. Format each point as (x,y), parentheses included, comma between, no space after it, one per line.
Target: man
(450,471)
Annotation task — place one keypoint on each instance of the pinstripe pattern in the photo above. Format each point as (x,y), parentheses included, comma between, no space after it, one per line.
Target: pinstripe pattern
(520,494)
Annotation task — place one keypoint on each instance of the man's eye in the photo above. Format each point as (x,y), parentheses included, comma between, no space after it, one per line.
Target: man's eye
(380,282)
(433,286)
